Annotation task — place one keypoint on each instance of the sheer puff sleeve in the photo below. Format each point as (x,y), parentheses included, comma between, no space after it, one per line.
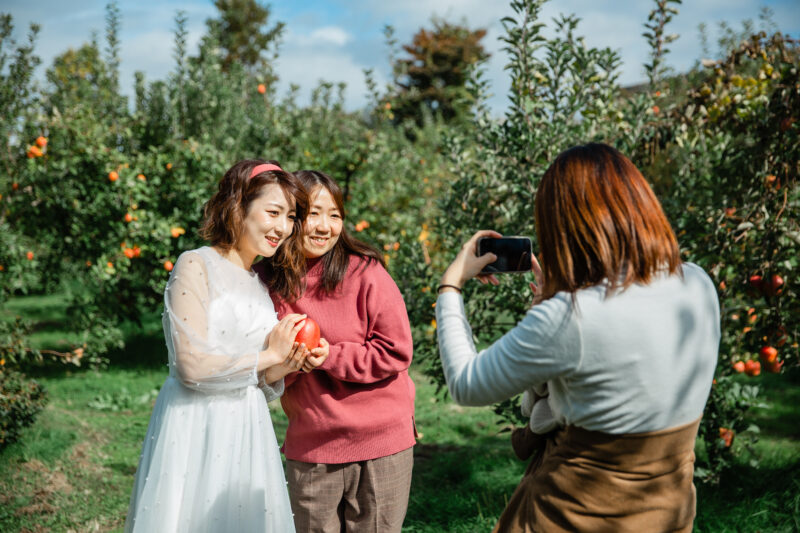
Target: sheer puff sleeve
(201,360)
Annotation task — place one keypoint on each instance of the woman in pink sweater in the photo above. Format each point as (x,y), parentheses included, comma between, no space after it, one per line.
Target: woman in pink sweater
(351,415)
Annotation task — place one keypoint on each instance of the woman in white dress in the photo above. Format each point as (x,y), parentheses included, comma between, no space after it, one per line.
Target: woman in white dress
(210,460)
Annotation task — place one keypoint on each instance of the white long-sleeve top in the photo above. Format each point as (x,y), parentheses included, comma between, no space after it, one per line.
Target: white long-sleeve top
(216,320)
(640,360)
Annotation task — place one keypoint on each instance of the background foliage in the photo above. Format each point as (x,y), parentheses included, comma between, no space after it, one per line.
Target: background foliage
(100,195)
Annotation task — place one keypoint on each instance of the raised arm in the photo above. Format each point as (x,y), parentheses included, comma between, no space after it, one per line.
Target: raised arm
(544,345)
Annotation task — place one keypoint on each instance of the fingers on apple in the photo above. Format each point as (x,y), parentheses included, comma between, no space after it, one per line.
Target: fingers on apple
(293,319)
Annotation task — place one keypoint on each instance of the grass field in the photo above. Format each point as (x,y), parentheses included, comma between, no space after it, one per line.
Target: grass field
(73,469)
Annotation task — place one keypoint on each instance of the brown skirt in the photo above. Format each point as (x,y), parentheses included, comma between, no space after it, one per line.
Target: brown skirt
(592,481)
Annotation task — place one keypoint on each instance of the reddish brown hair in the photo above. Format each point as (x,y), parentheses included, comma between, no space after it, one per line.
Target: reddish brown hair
(596,219)
(337,259)
(224,214)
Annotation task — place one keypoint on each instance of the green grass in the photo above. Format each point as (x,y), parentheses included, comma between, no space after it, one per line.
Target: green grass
(73,470)
(48,313)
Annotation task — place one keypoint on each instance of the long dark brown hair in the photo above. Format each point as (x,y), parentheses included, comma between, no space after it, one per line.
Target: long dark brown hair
(337,260)
(224,214)
(597,218)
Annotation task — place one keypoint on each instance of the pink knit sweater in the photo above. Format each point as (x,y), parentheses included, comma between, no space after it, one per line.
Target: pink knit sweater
(359,404)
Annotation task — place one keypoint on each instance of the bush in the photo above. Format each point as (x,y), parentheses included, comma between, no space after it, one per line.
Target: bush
(21,399)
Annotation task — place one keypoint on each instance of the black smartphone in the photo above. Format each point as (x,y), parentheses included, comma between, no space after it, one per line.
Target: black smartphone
(513,254)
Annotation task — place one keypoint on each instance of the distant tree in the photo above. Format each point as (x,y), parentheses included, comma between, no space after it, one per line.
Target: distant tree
(77,78)
(433,79)
(85,79)
(17,64)
(243,32)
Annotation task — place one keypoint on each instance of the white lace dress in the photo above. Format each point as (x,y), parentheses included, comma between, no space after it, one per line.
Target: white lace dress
(210,460)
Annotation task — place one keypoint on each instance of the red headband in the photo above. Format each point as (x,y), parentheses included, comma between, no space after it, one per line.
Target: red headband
(258,169)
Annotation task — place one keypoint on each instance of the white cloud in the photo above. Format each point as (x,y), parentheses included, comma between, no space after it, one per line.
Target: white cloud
(330,35)
(307,67)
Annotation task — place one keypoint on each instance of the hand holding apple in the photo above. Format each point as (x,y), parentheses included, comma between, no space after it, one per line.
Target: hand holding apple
(318,356)
(308,334)
(281,345)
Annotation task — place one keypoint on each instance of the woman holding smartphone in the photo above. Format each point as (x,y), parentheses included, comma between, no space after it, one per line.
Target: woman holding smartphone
(351,415)
(624,335)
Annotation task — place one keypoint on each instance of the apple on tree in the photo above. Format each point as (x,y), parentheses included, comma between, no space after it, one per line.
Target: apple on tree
(752,368)
(773,286)
(768,354)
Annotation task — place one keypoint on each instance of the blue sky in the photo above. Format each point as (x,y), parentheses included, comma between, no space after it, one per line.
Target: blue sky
(335,40)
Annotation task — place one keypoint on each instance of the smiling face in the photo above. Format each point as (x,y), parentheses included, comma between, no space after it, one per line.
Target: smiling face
(269,221)
(323,224)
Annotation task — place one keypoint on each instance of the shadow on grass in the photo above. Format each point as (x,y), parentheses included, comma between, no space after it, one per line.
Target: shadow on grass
(781,416)
(461,488)
(751,498)
(122,468)
(143,349)
(51,330)
(141,352)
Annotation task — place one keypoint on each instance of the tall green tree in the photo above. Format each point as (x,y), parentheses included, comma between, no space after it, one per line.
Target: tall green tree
(432,79)
(242,29)
(79,78)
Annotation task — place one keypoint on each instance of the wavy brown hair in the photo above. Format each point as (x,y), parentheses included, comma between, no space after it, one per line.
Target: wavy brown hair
(224,214)
(597,218)
(337,260)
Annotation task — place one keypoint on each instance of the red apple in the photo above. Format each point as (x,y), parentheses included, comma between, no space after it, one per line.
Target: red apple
(308,334)
(755,282)
(727,436)
(773,286)
(738,367)
(768,354)
(752,368)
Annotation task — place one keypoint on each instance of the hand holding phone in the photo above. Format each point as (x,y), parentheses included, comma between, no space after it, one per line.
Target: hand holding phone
(513,254)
